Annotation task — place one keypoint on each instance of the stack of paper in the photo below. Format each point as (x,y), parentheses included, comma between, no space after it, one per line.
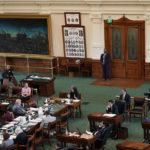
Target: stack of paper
(109,115)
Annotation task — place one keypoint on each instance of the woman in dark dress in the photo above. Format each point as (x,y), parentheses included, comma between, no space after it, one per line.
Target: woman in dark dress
(74,94)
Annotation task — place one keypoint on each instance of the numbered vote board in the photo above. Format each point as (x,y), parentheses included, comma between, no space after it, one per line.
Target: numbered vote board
(74,42)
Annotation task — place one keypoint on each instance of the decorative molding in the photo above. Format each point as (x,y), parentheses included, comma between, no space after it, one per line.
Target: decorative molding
(96,18)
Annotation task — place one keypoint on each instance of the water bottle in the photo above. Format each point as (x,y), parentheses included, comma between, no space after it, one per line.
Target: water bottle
(67,132)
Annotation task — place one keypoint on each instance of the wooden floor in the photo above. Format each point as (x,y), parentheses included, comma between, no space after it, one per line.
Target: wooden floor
(115,82)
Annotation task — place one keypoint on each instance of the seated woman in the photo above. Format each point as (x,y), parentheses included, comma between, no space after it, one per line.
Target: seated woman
(74,94)
(6,141)
(8,116)
(25,93)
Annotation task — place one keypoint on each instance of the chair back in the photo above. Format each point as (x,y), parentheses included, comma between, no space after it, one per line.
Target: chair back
(30,143)
(121,106)
(139,101)
(65,95)
(106,135)
(88,63)
(64,117)
(4,89)
(13,147)
(63,62)
(38,135)
(52,125)
(16,91)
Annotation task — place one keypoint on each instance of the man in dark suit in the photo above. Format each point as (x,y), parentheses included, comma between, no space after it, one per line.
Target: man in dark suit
(102,134)
(105,60)
(112,108)
(125,97)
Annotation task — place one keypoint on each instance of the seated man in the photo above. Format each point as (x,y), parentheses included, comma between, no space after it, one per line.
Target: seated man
(125,97)
(21,137)
(6,141)
(25,93)
(18,109)
(102,134)
(47,119)
(111,107)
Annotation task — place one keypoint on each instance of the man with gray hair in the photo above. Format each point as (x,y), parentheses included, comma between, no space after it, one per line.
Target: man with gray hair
(18,109)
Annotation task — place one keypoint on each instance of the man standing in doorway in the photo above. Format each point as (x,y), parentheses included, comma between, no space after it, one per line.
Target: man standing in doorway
(105,60)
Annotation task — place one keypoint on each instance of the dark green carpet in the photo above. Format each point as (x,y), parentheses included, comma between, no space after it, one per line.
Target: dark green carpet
(97,96)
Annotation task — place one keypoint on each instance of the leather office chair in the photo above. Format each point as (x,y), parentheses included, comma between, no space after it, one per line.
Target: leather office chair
(121,108)
(52,127)
(15,93)
(13,147)
(29,145)
(63,122)
(39,137)
(4,92)
(138,107)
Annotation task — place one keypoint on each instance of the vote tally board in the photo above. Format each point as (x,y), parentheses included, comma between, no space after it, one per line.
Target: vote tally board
(74,42)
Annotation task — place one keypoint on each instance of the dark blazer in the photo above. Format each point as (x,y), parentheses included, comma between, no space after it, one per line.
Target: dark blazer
(19,110)
(21,139)
(7,74)
(101,137)
(127,98)
(107,59)
(113,109)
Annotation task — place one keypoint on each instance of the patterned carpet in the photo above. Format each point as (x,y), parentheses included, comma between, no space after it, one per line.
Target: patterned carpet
(125,83)
(96,98)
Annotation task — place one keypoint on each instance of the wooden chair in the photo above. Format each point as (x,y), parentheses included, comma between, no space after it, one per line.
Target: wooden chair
(4,92)
(63,66)
(63,121)
(65,95)
(30,143)
(146,128)
(15,93)
(52,127)
(39,137)
(86,68)
(138,107)
(13,147)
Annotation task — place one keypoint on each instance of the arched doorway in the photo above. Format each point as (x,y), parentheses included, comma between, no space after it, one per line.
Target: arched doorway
(125,41)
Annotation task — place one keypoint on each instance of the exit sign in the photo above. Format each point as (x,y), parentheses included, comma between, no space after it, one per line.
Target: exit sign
(109,20)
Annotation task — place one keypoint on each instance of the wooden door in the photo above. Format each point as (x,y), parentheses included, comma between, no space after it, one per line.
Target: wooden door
(117,51)
(124,39)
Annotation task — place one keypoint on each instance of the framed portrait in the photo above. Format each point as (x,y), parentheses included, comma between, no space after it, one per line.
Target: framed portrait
(25,34)
(72,18)
(74,41)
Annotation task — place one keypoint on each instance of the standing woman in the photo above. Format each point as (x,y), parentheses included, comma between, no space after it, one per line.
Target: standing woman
(74,94)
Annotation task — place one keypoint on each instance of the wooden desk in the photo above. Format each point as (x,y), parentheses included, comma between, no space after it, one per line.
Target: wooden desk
(74,65)
(77,140)
(146,128)
(98,117)
(128,145)
(46,86)
(73,106)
